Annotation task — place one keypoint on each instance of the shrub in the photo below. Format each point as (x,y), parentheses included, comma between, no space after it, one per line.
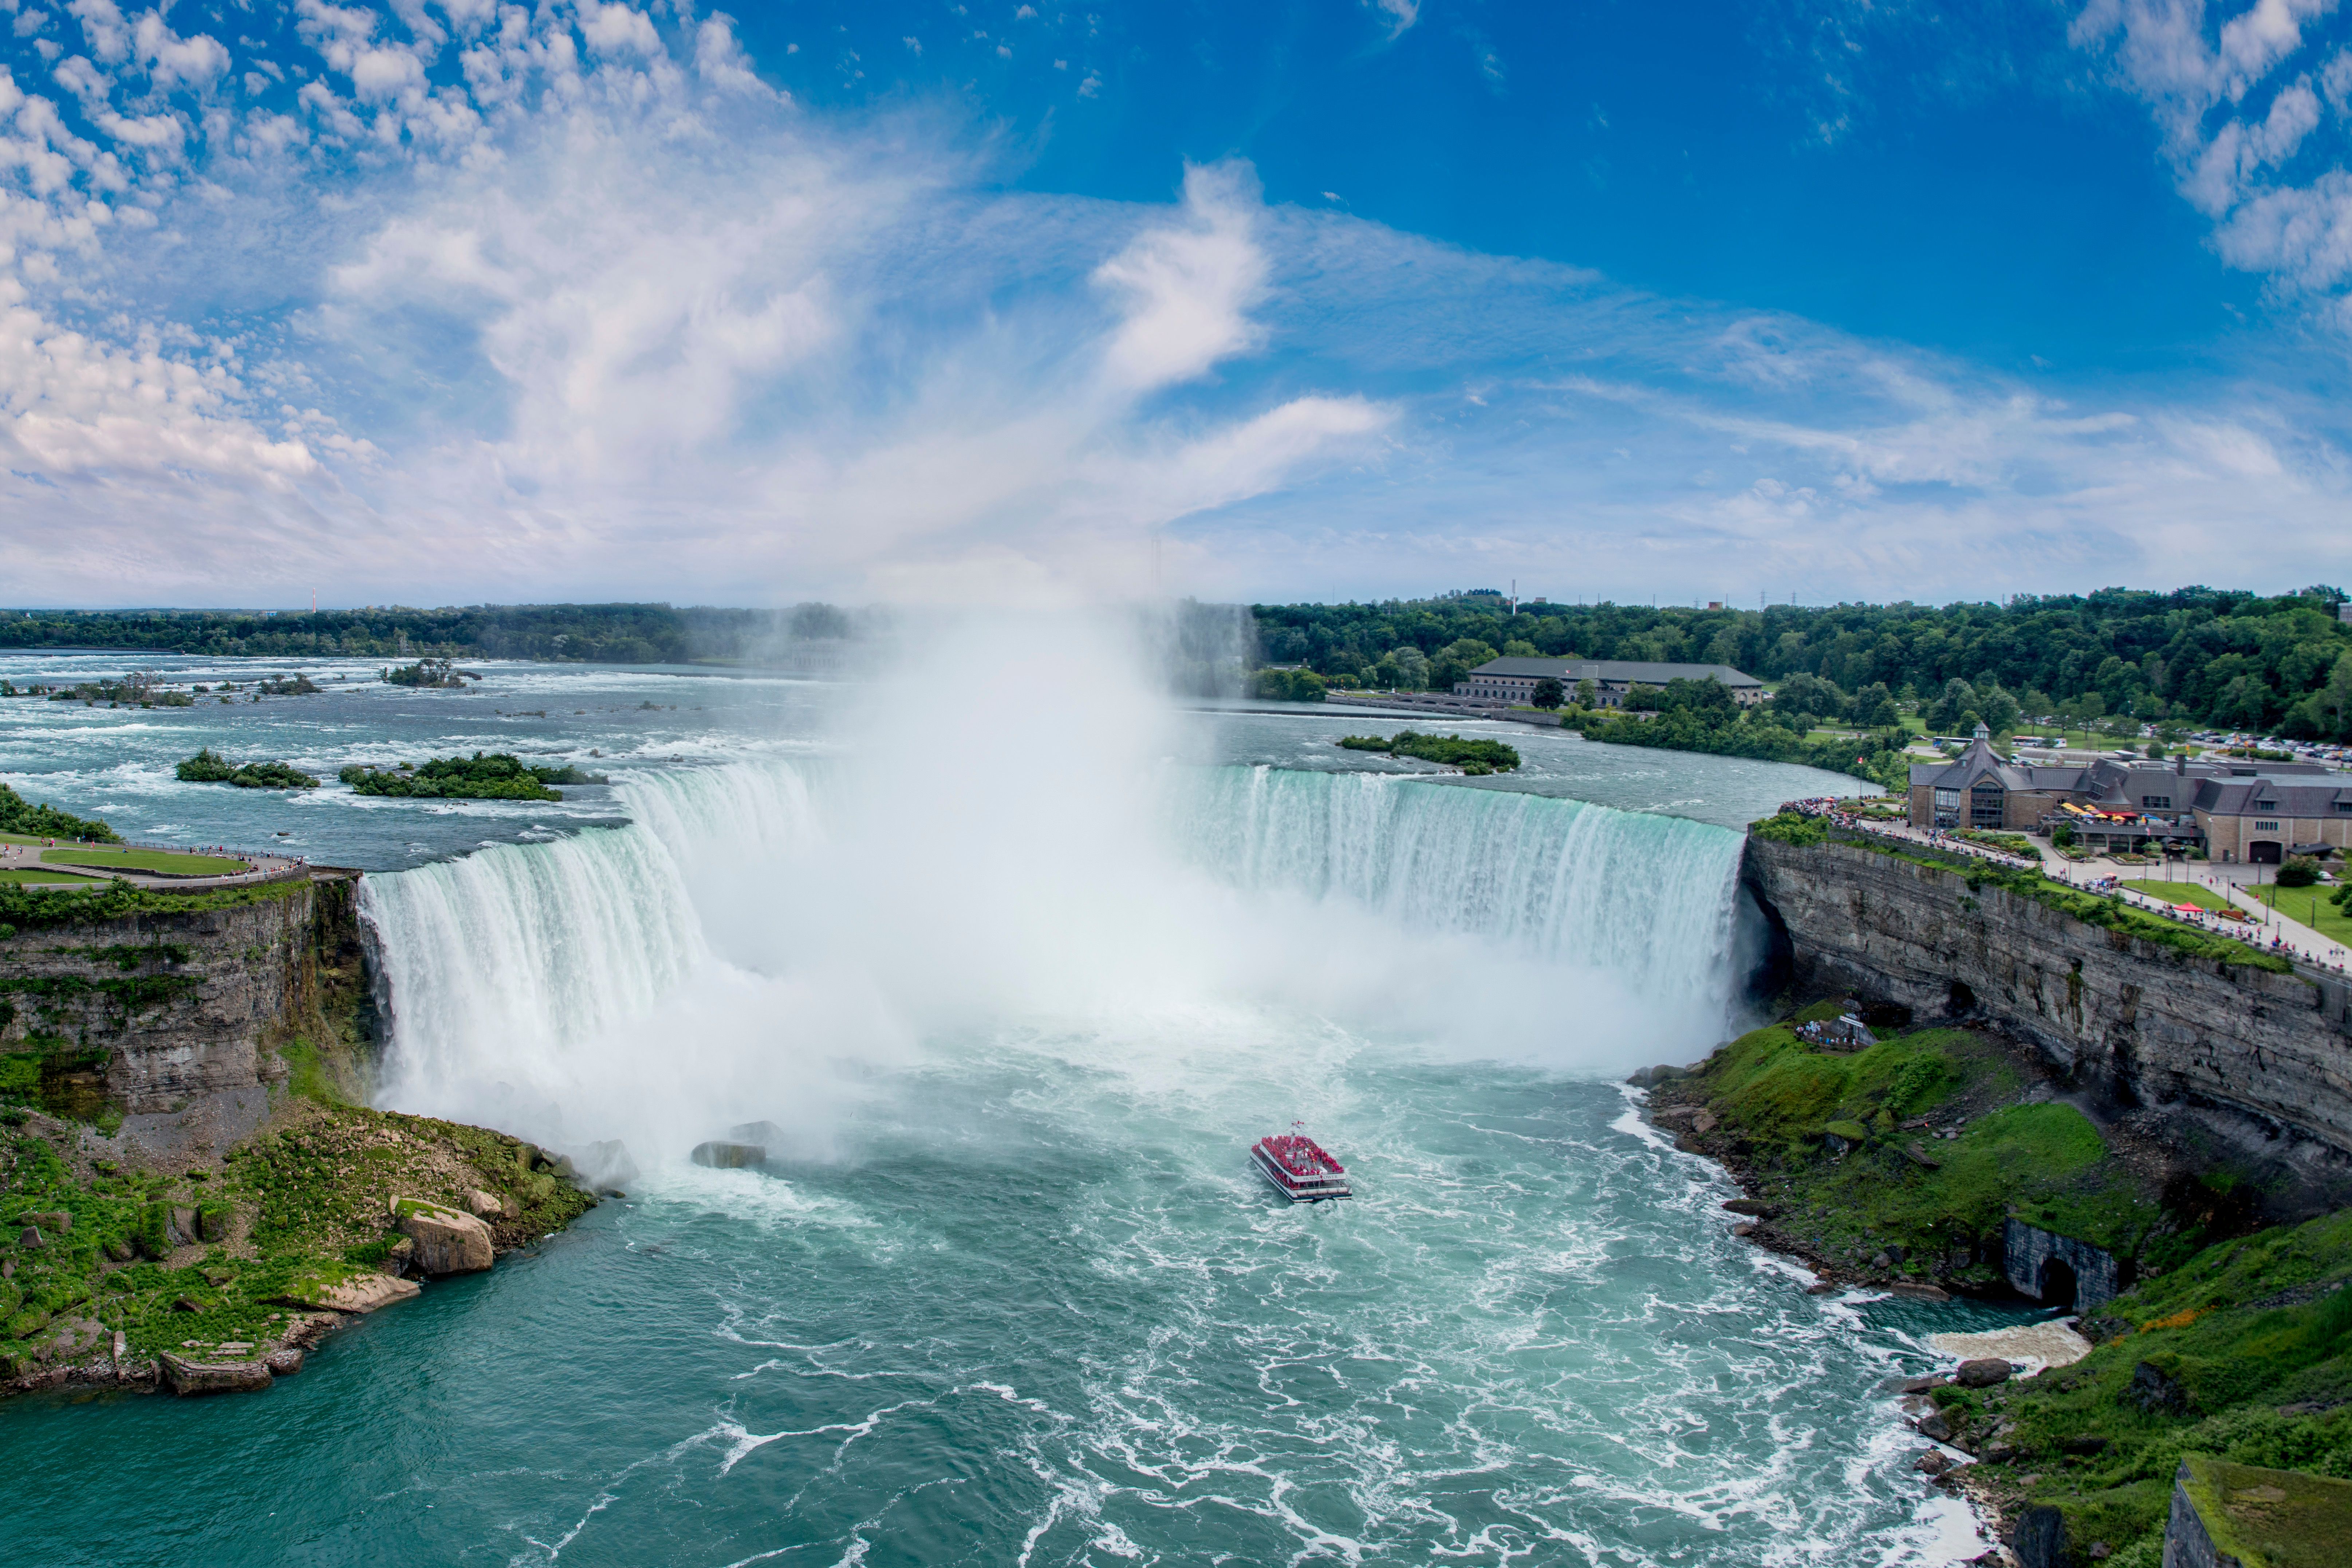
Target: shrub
(2300,872)
(207,766)
(1287,686)
(1470,756)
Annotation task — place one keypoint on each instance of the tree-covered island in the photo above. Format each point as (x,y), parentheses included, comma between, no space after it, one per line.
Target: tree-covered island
(498,775)
(1476,757)
(208,766)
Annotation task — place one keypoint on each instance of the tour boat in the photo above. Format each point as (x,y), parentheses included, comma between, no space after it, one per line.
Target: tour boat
(1299,1168)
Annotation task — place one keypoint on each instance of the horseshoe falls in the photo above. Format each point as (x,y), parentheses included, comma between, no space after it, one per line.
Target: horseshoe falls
(1006,1290)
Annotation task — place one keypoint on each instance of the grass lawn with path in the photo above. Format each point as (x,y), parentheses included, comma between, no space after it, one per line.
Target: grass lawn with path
(2310,906)
(2197,893)
(146,861)
(14,878)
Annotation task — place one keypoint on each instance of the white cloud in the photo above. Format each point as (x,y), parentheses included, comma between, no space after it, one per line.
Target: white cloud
(632,324)
(720,60)
(1187,287)
(2163,51)
(102,26)
(1400,14)
(172,61)
(616,29)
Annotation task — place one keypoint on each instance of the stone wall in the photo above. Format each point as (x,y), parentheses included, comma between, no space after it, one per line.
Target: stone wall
(2263,1059)
(2028,1251)
(148,1011)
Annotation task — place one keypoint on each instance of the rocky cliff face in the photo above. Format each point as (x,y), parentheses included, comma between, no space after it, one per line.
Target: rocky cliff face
(148,1011)
(2261,1060)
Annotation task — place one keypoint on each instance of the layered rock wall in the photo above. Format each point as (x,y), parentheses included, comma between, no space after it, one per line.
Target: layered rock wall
(151,1010)
(2264,1059)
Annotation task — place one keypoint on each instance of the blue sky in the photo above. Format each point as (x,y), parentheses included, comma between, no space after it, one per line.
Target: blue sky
(439,302)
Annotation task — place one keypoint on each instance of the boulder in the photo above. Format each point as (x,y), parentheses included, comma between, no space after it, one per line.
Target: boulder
(485,1205)
(1935,1425)
(31,1240)
(2041,1538)
(448,1241)
(1919,1384)
(1934,1462)
(183,1226)
(1755,1207)
(2083,1444)
(1648,1078)
(401,1260)
(57,1222)
(283,1362)
(729,1156)
(1913,1291)
(608,1172)
(1746,1228)
(1983,1371)
(186,1375)
(2155,1391)
(359,1293)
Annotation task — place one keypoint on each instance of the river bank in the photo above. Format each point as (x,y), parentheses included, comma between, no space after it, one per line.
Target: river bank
(1938,1163)
(123,1271)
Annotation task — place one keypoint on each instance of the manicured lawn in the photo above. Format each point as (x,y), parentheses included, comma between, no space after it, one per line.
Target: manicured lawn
(2197,893)
(17,879)
(145,860)
(2310,906)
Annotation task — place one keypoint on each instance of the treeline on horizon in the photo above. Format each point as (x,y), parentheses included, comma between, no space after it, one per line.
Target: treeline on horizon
(2195,656)
(601,633)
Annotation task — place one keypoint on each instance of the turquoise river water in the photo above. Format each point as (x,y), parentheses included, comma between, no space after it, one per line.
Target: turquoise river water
(1015,984)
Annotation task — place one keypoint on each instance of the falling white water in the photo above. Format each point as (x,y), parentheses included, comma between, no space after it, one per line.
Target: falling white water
(1645,897)
(768,940)
(710,962)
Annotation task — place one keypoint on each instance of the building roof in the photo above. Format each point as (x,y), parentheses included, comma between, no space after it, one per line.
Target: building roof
(1625,671)
(2113,784)
(2292,796)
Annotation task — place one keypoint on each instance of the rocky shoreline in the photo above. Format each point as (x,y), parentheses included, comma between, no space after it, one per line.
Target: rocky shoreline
(1996,1501)
(1972,1427)
(128,1267)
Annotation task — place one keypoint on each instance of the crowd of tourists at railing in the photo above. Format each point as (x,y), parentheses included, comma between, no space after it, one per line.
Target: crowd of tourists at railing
(1840,812)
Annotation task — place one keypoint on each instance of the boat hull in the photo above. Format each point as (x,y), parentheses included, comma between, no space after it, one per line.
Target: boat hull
(1297,1189)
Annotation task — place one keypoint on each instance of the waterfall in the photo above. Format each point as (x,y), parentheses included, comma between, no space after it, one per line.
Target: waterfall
(755,921)
(1639,895)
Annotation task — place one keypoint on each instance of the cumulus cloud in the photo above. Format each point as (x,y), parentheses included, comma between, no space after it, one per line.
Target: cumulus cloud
(575,286)
(2233,128)
(1187,287)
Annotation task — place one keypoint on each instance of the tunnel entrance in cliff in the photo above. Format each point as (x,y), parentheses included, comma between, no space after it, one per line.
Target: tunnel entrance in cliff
(2059,1285)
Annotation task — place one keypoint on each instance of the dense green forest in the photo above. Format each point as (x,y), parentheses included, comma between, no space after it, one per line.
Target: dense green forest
(616,634)
(2198,656)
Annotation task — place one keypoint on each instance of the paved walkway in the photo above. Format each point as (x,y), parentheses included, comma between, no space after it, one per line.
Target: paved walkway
(2269,930)
(264,868)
